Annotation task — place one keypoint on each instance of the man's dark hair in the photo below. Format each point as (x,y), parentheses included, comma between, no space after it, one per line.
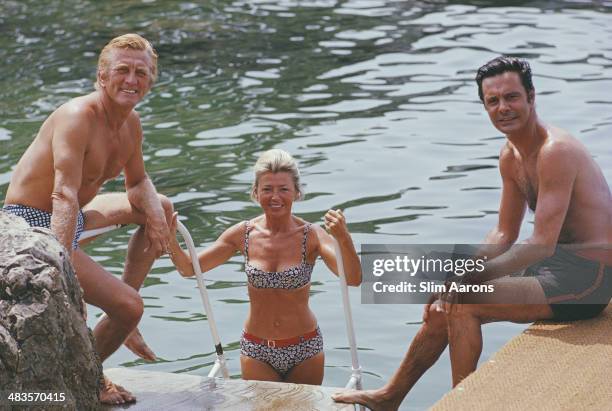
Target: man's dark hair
(502,64)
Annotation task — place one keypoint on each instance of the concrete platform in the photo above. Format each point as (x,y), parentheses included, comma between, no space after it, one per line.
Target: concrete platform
(550,366)
(184,392)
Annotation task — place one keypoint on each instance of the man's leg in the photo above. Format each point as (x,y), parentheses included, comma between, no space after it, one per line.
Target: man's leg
(465,320)
(425,349)
(461,331)
(114,208)
(123,307)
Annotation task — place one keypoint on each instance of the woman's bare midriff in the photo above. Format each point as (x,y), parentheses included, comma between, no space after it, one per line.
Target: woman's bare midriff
(279,313)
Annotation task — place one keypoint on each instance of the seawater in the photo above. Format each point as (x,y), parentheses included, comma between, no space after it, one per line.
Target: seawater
(376,100)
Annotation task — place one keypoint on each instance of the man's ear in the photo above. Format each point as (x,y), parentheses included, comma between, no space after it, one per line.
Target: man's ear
(100,78)
(531,96)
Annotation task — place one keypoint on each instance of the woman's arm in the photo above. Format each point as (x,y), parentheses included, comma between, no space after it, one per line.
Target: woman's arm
(336,225)
(222,250)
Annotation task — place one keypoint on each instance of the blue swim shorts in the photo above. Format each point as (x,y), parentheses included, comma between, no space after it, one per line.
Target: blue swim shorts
(39,218)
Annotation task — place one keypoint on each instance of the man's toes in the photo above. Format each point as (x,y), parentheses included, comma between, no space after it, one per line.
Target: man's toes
(127,397)
(111,398)
(343,396)
(125,394)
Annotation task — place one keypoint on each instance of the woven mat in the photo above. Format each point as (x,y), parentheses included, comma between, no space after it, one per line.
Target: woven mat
(550,366)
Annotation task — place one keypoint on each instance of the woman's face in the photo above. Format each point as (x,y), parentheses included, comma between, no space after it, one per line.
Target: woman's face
(276,193)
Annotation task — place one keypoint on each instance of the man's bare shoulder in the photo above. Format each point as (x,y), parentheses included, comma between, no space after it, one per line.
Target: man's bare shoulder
(79,111)
(561,146)
(507,159)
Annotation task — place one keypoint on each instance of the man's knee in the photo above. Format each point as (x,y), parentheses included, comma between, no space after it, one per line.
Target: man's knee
(130,307)
(461,313)
(436,321)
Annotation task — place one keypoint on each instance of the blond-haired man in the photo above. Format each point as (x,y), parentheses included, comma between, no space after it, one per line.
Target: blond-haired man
(81,145)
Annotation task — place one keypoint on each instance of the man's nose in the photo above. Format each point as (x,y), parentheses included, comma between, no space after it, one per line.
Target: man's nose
(131,77)
(503,105)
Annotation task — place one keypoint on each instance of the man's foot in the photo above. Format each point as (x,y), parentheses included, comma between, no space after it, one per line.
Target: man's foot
(135,343)
(115,394)
(376,400)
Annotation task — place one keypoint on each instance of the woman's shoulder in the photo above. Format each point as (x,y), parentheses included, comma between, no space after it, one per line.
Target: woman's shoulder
(303,224)
(314,231)
(235,232)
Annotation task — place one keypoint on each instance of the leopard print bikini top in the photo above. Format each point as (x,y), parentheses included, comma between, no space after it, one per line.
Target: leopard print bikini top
(293,277)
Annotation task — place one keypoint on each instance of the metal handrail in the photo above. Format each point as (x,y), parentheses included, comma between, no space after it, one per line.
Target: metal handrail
(220,362)
(354,381)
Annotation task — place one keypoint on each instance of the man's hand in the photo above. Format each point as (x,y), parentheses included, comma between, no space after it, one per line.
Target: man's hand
(451,298)
(434,300)
(157,233)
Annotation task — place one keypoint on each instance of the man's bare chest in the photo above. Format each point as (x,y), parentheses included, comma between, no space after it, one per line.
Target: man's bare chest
(527,180)
(105,158)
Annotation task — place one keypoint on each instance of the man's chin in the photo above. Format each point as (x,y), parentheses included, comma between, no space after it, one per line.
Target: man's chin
(129,102)
(507,128)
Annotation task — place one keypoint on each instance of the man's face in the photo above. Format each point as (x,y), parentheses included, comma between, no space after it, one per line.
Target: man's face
(507,102)
(128,78)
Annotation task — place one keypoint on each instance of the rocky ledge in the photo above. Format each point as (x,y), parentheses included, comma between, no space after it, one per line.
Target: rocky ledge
(45,345)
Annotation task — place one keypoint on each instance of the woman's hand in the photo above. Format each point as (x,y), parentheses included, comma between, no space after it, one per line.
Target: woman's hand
(171,240)
(173,224)
(335,224)
(179,258)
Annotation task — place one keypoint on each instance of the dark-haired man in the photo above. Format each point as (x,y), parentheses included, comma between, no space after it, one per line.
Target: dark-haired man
(567,259)
(84,143)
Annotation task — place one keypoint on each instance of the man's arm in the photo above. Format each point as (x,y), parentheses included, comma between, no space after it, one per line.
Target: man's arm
(511,209)
(68,145)
(556,171)
(143,196)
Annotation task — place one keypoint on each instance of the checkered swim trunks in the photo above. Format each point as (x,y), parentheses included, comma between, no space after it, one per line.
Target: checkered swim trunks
(39,218)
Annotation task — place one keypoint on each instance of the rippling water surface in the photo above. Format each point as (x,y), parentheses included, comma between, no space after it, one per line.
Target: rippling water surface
(375,99)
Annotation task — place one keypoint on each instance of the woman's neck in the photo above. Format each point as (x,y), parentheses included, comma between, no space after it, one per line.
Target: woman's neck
(278,224)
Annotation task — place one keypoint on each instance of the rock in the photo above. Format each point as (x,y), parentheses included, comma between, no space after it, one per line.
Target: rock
(45,345)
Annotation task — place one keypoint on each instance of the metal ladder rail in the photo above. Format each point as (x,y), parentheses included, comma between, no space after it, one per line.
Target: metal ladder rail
(354,381)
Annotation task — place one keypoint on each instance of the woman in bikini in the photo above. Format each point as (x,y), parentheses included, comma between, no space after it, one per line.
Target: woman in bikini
(281,340)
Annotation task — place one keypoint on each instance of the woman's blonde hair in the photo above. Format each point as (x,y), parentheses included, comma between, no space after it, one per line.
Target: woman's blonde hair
(128,41)
(276,161)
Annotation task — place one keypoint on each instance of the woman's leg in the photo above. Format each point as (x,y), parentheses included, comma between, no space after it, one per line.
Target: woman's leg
(309,371)
(253,369)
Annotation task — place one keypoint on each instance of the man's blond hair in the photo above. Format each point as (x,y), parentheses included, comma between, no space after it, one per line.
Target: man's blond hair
(128,41)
